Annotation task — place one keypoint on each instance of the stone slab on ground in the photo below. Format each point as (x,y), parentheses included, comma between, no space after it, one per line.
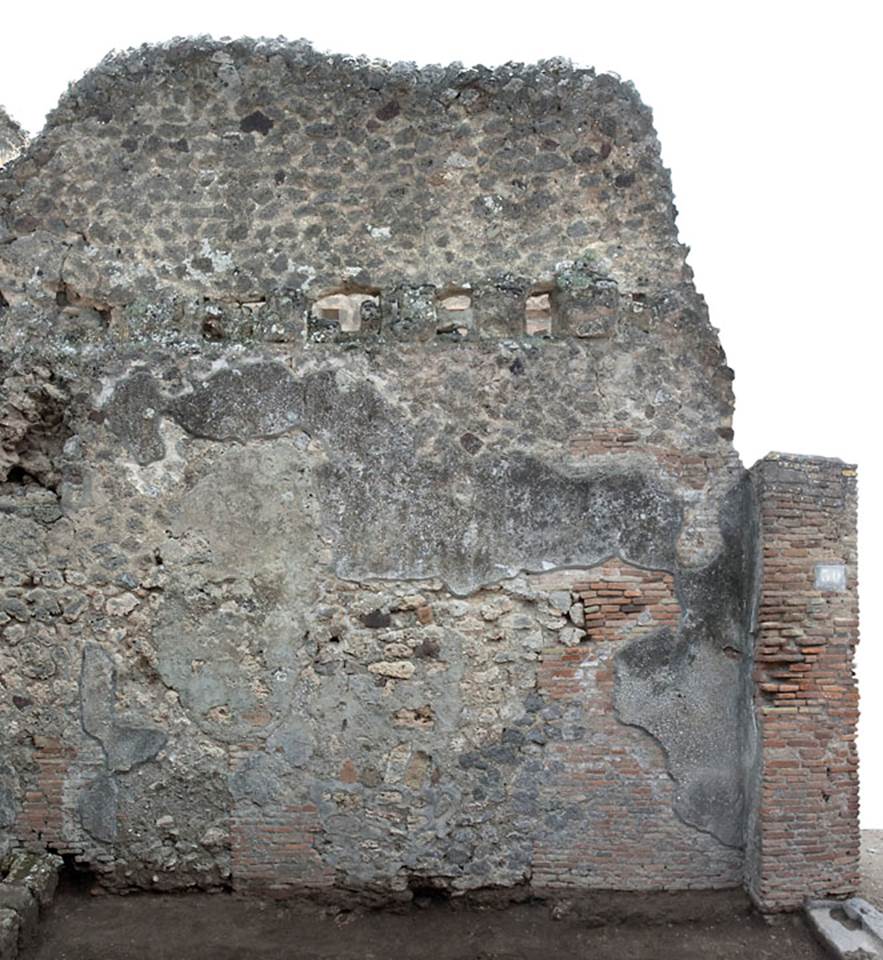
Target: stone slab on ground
(851,929)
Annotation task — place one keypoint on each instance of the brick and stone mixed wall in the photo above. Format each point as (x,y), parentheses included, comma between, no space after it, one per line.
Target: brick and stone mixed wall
(369,513)
(805,839)
(611,784)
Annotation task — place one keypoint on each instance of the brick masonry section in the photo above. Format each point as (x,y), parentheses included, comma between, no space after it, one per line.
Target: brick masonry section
(806,835)
(619,828)
(40,824)
(273,845)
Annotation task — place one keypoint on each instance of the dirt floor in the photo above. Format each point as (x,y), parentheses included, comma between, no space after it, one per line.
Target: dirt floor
(220,927)
(223,927)
(872,867)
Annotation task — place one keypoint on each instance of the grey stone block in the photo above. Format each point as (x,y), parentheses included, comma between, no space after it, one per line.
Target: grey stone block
(10,931)
(17,898)
(37,872)
(850,929)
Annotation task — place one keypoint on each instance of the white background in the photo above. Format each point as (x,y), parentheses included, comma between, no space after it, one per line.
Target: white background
(769,116)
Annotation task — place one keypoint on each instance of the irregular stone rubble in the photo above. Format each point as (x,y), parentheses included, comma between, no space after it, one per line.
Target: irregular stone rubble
(27,886)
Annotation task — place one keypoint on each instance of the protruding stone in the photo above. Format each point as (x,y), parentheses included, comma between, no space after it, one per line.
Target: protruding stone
(410,313)
(397,669)
(499,306)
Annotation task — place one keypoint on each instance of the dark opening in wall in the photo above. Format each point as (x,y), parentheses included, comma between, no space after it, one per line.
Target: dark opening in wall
(429,890)
(454,311)
(538,314)
(18,474)
(212,329)
(73,304)
(76,878)
(347,308)
(33,432)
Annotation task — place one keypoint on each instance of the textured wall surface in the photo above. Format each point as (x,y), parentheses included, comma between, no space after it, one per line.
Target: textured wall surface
(804,836)
(12,138)
(432,602)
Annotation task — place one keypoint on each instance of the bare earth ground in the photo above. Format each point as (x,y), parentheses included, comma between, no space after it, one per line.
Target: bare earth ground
(872,867)
(221,927)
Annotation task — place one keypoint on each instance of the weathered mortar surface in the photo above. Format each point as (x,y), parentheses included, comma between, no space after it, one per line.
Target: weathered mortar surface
(276,607)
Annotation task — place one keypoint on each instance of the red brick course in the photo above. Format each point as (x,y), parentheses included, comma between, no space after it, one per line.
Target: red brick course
(806,699)
(273,847)
(624,834)
(40,824)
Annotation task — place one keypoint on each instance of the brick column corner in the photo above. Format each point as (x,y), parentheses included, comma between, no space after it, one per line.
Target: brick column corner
(804,833)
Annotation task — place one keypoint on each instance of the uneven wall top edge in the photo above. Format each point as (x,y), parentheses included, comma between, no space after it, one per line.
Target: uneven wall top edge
(235,171)
(12,138)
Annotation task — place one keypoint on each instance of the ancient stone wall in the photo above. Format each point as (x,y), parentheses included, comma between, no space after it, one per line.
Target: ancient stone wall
(371,518)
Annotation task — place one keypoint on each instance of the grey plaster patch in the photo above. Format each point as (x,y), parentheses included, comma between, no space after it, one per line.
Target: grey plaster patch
(503,513)
(130,745)
(253,513)
(97,691)
(685,686)
(9,787)
(501,516)
(98,808)
(256,780)
(242,403)
(133,414)
(295,743)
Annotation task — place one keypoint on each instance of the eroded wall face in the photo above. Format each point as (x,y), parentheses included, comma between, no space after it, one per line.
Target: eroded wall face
(428,603)
(292,661)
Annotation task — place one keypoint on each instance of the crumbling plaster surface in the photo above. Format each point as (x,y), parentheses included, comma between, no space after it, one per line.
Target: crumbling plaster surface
(263,582)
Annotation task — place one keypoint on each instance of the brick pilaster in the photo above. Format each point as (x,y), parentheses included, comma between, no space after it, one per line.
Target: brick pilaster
(805,836)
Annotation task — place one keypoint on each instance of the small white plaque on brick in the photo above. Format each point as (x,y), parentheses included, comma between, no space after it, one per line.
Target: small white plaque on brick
(831,577)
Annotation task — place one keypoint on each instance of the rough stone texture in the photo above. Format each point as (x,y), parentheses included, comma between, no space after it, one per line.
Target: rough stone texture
(432,604)
(805,835)
(10,930)
(12,138)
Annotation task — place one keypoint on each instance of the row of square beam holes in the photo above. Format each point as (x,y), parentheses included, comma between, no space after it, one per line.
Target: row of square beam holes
(345,308)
